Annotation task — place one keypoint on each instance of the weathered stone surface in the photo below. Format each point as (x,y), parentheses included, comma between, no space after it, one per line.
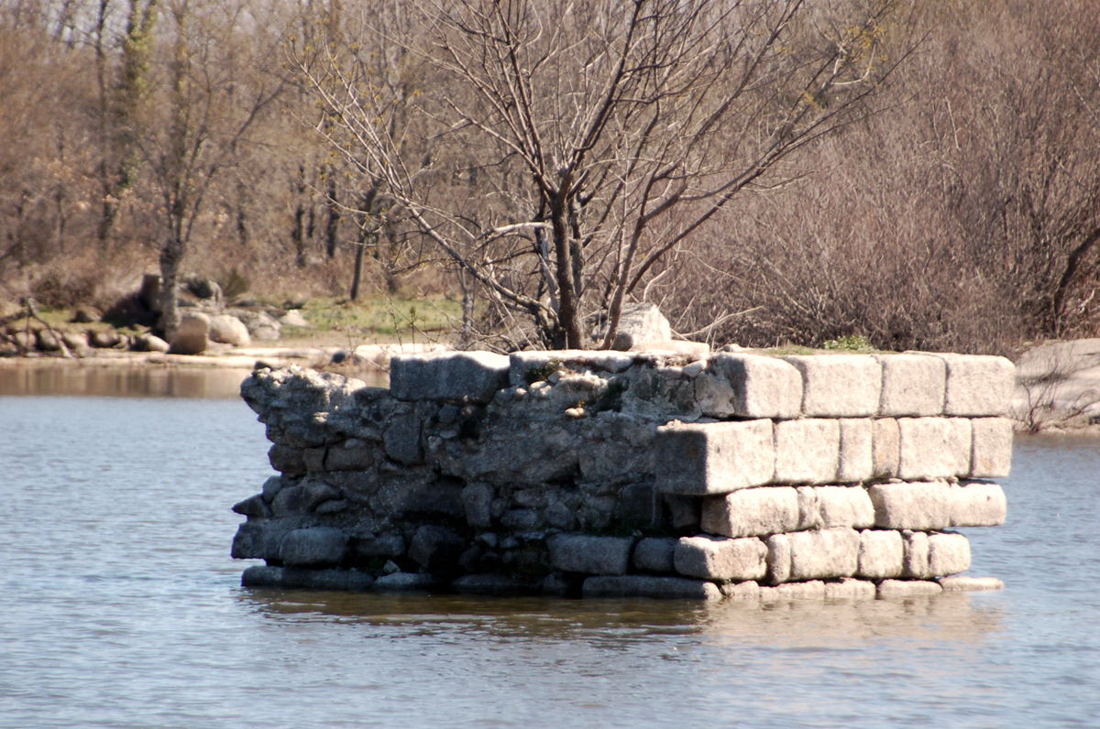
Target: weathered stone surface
(191,335)
(881,554)
(948,554)
(850,589)
(978,385)
(405,582)
(885,447)
(960,583)
(402,439)
(353,454)
(807,450)
(839,385)
(899,589)
(384,545)
(654,554)
(925,505)
(650,586)
(491,584)
(991,454)
(808,590)
(752,512)
(977,503)
(913,385)
(526,368)
(822,507)
(436,548)
(252,506)
(229,329)
(641,325)
(713,458)
(149,343)
(915,562)
(313,547)
(824,554)
(720,559)
(747,590)
(778,561)
(590,554)
(856,450)
(473,376)
(749,386)
(477,504)
(291,578)
(934,447)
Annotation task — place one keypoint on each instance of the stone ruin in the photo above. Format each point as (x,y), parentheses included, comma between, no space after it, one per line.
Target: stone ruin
(655,474)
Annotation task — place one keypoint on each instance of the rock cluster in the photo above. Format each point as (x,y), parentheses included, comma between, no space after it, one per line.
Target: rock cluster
(617,473)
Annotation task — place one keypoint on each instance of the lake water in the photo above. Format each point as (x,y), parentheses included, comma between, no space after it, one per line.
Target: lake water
(119,607)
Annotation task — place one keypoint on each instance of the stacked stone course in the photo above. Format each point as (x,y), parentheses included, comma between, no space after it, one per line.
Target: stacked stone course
(659,474)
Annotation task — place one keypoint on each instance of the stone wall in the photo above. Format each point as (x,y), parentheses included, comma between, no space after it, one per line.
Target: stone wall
(621,473)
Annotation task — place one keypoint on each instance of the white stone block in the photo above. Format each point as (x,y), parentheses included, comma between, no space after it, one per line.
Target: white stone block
(839,385)
(885,447)
(749,386)
(823,554)
(752,512)
(848,588)
(899,589)
(948,554)
(991,454)
(844,506)
(924,505)
(912,385)
(934,447)
(958,583)
(713,458)
(720,559)
(807,450)
(747,590)
(809,590)
(779,558)
(978,385)
(881,554)
(856,450)
(524,368)
(977,503)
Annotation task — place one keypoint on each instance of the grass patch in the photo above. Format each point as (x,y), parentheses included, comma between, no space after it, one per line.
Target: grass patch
(383,316)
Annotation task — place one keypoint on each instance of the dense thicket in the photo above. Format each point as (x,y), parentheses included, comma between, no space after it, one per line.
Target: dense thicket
(924,174)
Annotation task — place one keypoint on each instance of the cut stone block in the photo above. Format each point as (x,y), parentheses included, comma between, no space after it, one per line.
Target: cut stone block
(313,547)
(881,554)
(959,583)
(473,376)
(848,588)
(654,554)
(713,458)
(720,559)
(779,558)
(405,582)
(948,554)
(915,563)
(977,503)
(809,590)
(856,450)
(525,368)
(885,447)
(747,590)
(824,554)
(924,505)
(590,554)
(991,454)
(749,386)
(310,579)
(898,589)
(807,451)
(752,512)
(978,385)
(823,507)
(912,385)
(839,385)
(934,447)
(650,586)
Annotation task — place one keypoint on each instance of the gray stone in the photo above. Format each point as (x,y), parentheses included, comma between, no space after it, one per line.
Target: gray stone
(353,454)
(824,554)
(678,588)
(915,562)
(103,339)
(752,512)
(477,503)
(472,376)
(856,450)
(252,506)
(405,582)
(948,554)
(713,458)
(912,385)
(294,318)
(839,385)
(925,505)
(885,447)
(385,545)
(934,447)
(991,454)
(191,335)
(402,439)
(641,325)
(526,368)
(590,554)
(977,503)
(149,343)
(749,386)
(316,546)
(807,450)
(959,583)
(684,512)
(436,548)
(747,590)
(229,329)
(977,385)
(808,590)
(720,559)
(297,578)
(286,459)
(491,584)
(848,588)
(900,589)
(654,554)
(779,558)
(822,507)
(261,326)
(881,554)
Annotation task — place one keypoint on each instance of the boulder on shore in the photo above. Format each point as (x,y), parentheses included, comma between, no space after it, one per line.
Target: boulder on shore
(192,334)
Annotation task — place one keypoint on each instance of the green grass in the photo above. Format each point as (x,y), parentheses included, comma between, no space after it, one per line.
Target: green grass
(382,316)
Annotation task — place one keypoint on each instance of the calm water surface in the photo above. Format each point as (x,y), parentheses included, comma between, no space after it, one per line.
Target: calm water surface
(119,607)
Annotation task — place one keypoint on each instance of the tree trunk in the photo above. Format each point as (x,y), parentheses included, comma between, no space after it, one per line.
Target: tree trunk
(171,255)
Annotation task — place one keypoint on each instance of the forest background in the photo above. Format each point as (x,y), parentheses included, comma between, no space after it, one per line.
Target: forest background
(925,175)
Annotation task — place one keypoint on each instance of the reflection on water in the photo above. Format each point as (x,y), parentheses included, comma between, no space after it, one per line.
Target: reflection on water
(57,378)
